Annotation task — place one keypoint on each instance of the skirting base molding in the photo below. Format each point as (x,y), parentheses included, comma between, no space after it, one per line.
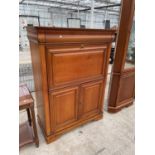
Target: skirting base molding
(118,108)
(55,136)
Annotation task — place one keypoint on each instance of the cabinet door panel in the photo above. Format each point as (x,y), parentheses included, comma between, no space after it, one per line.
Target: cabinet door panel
(91,98)
(63,107)
(72,66)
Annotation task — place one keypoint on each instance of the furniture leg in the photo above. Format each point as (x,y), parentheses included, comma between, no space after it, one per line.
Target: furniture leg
(29,116)
(34,126)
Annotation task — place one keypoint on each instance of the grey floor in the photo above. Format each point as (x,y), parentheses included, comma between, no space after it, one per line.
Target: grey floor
(113,135)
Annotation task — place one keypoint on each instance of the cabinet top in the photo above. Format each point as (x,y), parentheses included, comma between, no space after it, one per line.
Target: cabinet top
(55,34)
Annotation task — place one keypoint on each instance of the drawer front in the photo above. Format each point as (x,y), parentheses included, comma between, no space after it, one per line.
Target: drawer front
(66,67)
(63,108)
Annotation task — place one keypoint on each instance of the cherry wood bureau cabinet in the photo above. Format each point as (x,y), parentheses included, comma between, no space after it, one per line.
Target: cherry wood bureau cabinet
(70,70)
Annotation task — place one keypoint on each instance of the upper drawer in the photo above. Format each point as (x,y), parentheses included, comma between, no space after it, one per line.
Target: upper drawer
(73,65)
(69,35)
(66,38)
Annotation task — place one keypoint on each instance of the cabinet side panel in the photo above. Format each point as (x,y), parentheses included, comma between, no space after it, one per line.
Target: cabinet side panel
(36,64)
(126,88)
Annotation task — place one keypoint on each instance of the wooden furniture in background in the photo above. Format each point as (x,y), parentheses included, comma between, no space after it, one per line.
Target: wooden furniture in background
(122,86)
(70,71)
(27,131)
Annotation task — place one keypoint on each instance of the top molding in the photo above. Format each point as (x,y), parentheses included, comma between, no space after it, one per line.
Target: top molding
(65,35)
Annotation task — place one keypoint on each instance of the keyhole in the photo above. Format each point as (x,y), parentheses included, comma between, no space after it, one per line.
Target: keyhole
(82,46)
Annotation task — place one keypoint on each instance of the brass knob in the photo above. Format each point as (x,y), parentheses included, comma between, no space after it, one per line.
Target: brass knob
(60,36)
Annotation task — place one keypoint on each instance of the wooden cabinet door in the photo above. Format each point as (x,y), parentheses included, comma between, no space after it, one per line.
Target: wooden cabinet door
(68,66)
(64,107)
(91,95)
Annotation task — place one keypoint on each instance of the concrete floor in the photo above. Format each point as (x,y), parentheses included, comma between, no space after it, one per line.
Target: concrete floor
(113,135)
